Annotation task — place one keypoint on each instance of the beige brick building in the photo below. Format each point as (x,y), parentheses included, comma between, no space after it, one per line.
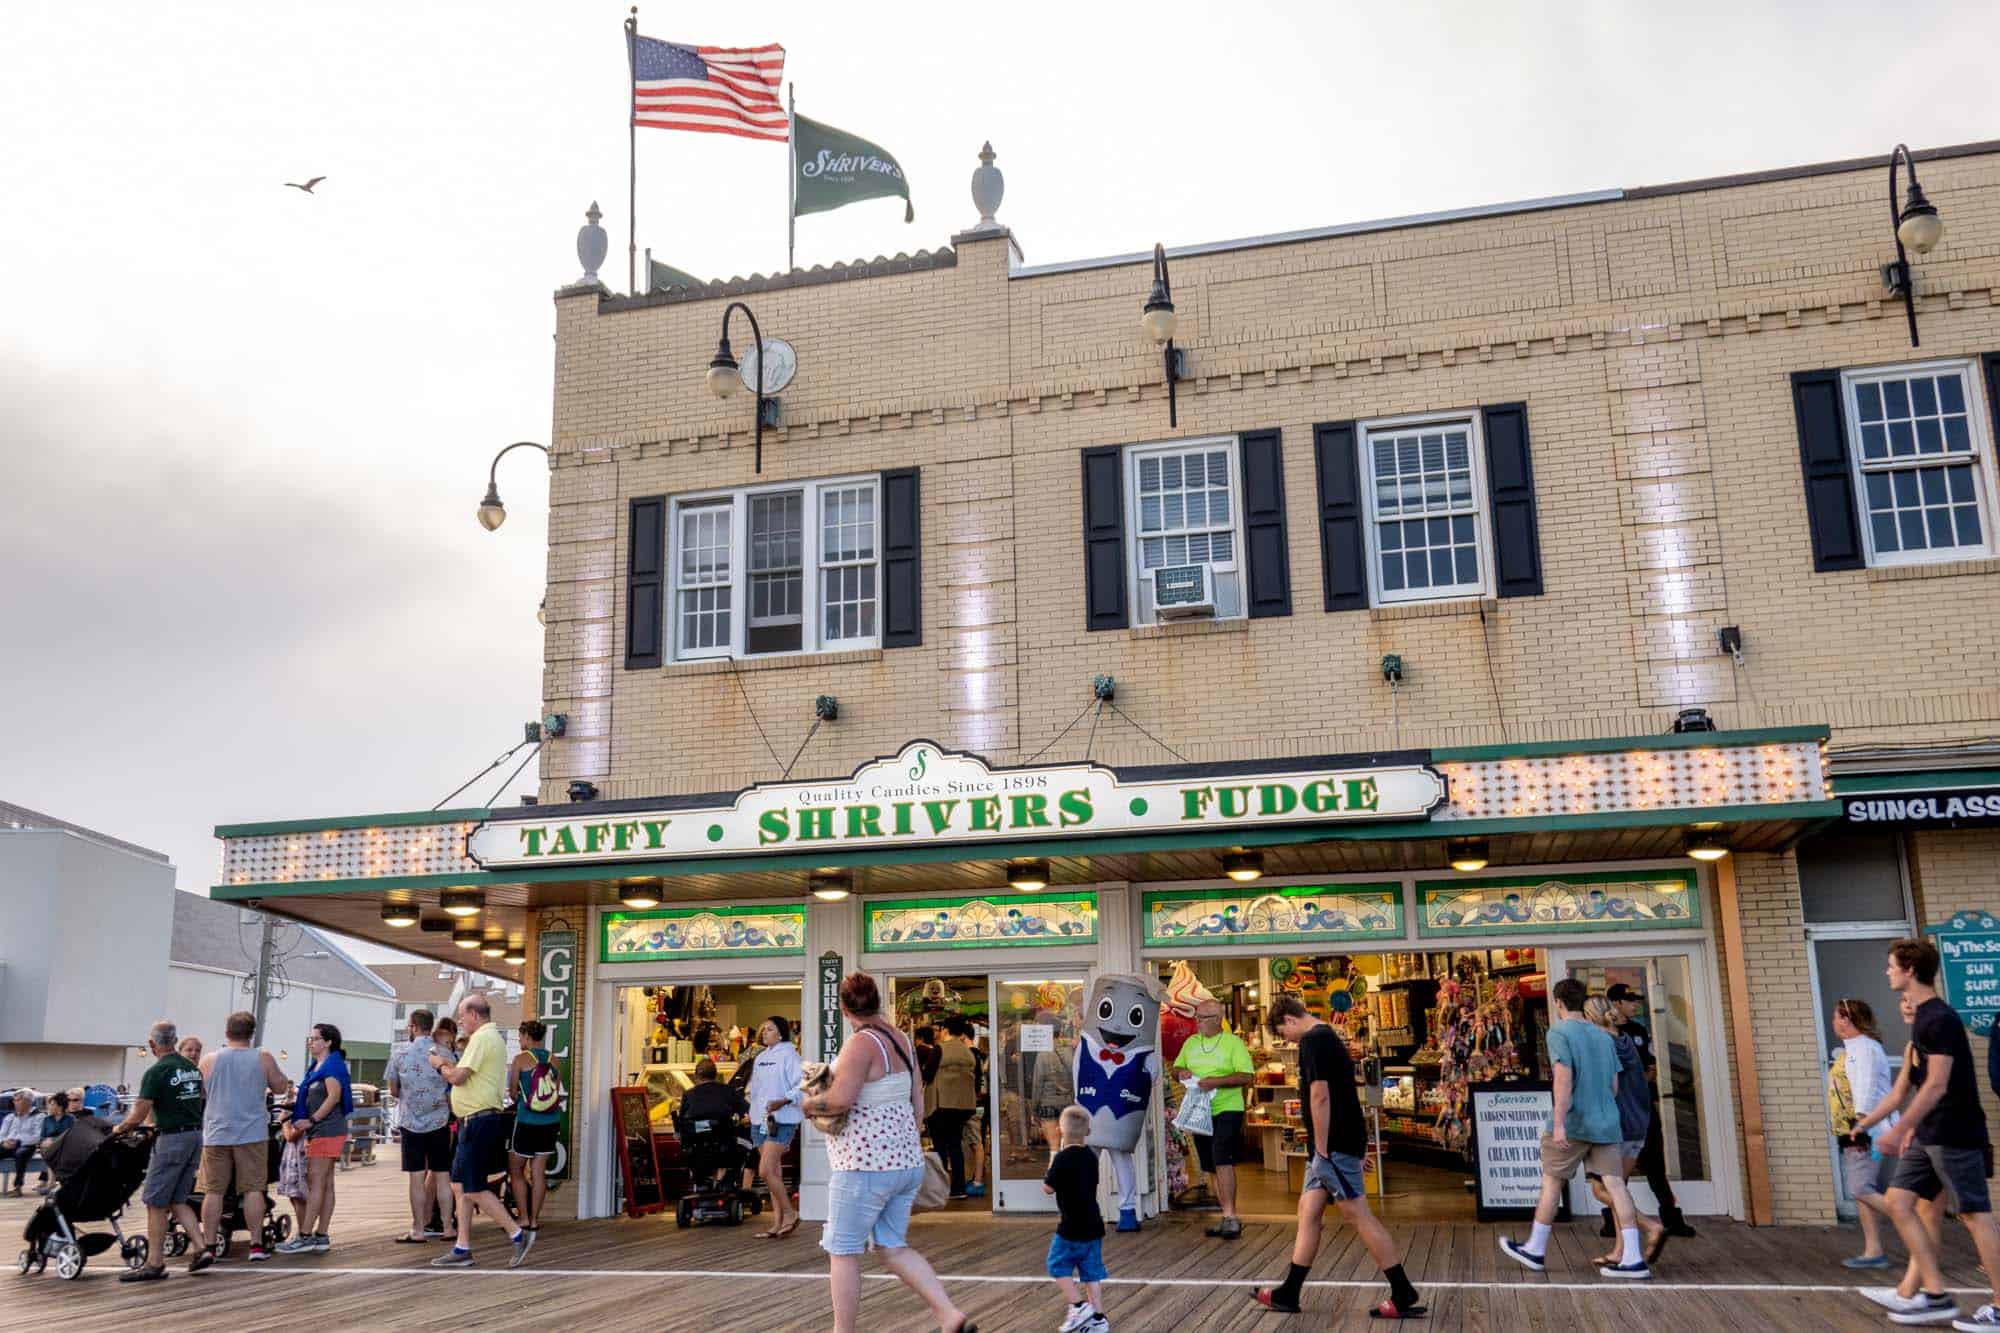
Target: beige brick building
(1542,456)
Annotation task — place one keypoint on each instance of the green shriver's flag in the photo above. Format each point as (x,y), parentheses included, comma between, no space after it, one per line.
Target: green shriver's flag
(664,276)
(835,168)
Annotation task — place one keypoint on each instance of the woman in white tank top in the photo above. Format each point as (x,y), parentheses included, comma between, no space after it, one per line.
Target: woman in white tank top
(877,1163)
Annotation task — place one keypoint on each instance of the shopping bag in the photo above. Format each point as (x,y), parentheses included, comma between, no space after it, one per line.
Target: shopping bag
(1197,1114)
(936,1189)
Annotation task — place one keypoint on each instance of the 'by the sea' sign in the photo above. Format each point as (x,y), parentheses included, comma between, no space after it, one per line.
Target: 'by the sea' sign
(927,796)
(1969,966)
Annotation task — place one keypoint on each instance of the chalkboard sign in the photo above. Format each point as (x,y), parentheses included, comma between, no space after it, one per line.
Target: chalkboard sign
(1507,1123)
(636,1158)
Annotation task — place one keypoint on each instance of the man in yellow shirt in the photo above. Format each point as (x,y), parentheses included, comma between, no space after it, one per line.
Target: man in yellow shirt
(1218,1062)
(476,1081)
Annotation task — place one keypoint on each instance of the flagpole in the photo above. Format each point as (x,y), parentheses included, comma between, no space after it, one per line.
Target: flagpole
(791,175)
(632,154)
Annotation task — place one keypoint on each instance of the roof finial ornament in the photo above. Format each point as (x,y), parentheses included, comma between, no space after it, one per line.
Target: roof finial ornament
(988,186)
(592,244)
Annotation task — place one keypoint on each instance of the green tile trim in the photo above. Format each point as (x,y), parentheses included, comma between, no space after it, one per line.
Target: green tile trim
(1085,901)
(1426,888)
(398,820)
(1682,740)
(1937,779)
(1373,891)
(792,916)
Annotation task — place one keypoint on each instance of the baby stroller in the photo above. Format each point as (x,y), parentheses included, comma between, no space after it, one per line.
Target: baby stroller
(277,1228)
(714,1153)
(98,1173)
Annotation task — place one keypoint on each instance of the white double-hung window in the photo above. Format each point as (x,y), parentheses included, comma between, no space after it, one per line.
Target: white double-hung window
(777,569)
(1425,496)
(1185,510)
(1923,468)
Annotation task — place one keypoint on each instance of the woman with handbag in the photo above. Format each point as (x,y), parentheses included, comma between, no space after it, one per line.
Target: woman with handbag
(868,1105)
(1856,1083)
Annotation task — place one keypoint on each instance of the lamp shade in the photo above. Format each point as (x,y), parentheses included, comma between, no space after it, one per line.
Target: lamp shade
(491,512)
(462,902)
(1705,846)
(1243,866)
(1920,228)
(468,937)
(493,946)
(1159,320)
(1467,853)
(723,379)
(830,886)
(400,914)
(516,954)
(1028,873)
(639,894)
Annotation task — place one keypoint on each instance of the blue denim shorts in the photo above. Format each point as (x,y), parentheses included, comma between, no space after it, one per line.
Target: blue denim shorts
(869,1205)
(1085,1258)
(1338,1174)
(783,1138)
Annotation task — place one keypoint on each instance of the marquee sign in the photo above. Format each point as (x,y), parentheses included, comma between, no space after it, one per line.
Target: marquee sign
(928,796)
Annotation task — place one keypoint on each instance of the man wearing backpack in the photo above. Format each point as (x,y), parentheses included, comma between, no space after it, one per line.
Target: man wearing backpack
(538,1104)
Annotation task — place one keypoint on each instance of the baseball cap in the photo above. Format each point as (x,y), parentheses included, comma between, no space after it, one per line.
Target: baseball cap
(1620,991)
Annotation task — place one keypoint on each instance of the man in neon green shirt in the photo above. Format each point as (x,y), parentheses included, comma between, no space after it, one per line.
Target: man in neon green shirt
(476,1081)
(1219,1063)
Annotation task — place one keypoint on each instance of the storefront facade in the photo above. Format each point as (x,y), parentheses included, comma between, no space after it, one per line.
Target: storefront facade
(1444,527)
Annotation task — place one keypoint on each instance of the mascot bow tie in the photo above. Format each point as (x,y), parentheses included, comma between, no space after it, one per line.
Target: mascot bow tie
(1112,1057)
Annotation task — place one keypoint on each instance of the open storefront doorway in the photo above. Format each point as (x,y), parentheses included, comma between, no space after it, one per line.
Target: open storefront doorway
(1022,1028)
(1423,1028)
(672,1036)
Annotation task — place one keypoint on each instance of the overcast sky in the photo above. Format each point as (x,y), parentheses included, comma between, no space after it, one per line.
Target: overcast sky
(246,429)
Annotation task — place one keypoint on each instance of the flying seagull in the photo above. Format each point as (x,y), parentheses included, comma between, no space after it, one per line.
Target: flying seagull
(307,187)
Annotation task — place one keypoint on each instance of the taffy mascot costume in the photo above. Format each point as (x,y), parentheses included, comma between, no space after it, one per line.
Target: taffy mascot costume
(1116,1065)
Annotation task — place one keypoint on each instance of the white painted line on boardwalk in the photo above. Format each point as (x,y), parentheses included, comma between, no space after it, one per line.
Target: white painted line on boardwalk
(1007,1279)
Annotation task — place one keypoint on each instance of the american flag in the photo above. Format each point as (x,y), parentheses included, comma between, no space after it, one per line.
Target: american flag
(709,89)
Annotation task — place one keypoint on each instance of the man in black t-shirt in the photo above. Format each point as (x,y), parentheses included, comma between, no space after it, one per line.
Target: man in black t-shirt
(1337,1147)
(1653,1156)
(1940,1142)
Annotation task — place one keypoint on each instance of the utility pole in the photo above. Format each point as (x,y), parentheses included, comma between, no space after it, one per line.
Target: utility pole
(262,994)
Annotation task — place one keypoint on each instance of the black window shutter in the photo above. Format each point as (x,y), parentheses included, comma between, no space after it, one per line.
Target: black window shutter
(1104,538)
(1830,514)
(902,560)
(645,582)
(1267,561)
(1991,361)
(1343,547)
(1510,485)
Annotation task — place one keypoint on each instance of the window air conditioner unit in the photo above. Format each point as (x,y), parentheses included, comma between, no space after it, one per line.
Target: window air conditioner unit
(1183,592)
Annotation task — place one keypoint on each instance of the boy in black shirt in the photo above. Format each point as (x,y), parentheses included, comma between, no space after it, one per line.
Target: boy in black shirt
(1942,1141)
(1077,1249)
(1338,1146)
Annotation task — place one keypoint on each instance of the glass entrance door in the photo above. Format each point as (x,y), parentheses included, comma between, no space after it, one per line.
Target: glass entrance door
(1682,1024)
(1035,1020)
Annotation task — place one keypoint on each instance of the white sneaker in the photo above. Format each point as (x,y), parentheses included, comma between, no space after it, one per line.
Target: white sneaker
(1984,1320)
(1923,1309)
(1882,1296)
(1079,1317)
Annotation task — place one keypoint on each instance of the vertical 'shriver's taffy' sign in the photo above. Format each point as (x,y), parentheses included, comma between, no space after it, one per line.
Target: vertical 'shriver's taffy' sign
(929,796)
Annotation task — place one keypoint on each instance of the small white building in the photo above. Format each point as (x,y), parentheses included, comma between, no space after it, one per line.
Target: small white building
(83,955)
(98,946)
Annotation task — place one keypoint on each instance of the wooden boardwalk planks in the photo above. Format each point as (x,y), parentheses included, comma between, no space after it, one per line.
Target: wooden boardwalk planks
(647,1274)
